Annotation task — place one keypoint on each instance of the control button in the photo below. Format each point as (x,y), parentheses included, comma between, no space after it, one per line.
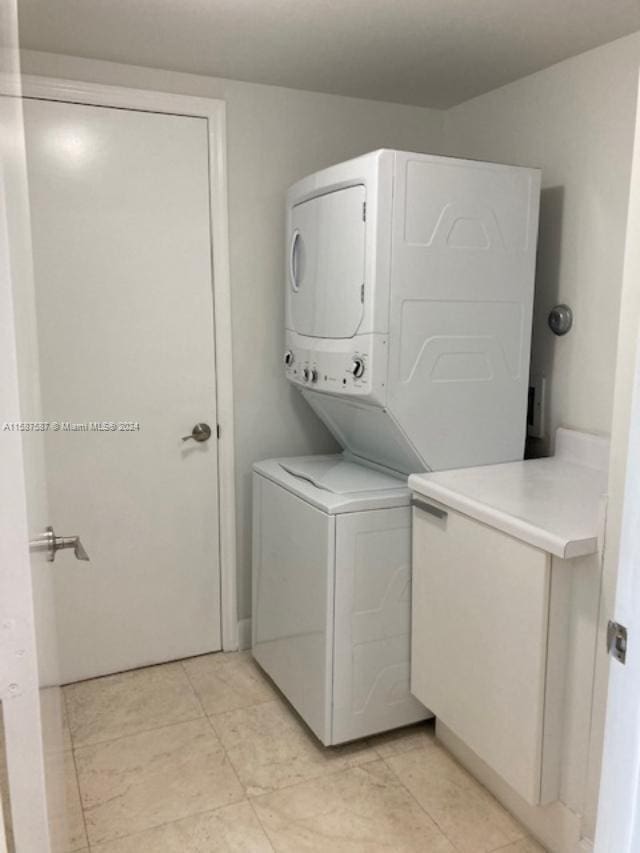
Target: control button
(306,374)
(314,375)
(288,358)
(357,367)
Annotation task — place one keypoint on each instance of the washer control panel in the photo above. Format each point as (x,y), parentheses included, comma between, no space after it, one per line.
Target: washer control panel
(338,367)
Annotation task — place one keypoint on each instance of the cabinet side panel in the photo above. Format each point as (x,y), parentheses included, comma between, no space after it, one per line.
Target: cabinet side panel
(372,624)
(463,262)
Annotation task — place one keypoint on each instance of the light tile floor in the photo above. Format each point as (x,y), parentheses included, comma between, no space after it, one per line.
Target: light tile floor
(204,756)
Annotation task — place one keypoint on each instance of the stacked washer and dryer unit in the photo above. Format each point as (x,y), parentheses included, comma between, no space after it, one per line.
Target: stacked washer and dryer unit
(408,321)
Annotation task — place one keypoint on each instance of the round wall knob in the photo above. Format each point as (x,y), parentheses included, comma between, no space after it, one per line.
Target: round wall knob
(288,358)
(357,368)
(560,319)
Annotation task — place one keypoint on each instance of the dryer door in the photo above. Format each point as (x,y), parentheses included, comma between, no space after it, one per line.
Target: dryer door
(326,264)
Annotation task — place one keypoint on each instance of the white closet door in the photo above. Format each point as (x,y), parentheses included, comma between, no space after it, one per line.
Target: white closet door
(120,214)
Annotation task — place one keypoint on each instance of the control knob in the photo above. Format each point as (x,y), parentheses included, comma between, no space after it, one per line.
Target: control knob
(314,375)
(357,367)
(306,374)
(288,358)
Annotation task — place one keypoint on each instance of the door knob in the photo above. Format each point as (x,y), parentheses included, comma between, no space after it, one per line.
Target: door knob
(200,432)
(51,543)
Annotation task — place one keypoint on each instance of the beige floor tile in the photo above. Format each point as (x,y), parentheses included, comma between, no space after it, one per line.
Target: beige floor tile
(403,740)
(525,845)
(65,811)
(66,732)
(225,682)
(232,829)
(75,820)
(270,748)
(117,705)
(144,780)
(465,811)
(360,810)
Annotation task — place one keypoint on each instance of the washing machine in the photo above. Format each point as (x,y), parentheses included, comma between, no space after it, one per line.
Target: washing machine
(332,593)
(408,308)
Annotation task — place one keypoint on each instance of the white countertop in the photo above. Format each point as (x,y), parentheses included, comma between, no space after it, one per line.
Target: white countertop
(555,504)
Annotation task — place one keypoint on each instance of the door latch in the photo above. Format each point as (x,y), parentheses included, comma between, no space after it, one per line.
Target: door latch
(51,544)
(617,641)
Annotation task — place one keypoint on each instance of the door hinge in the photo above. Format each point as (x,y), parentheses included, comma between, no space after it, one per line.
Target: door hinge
(617,641)
(362,293)
(364,211)
(217,430)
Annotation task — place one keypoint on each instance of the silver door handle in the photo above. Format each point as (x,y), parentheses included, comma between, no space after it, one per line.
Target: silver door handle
(51,543)
(200,432)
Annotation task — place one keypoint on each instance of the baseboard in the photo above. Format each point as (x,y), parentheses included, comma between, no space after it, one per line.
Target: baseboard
(555,826)
(244,634)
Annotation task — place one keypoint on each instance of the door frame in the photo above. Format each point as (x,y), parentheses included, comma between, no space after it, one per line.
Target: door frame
(616,762)
(214,112)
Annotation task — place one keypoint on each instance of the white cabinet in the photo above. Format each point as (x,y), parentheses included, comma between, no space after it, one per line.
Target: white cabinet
(481,645)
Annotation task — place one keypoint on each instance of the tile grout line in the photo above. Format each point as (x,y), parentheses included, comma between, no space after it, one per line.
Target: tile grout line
(192,686)
(82,746)
(263,827)
(204,715)
(415,799)
(227,757)
(166,823)
(525,835)
(310,779)
(141,669)
(215,733)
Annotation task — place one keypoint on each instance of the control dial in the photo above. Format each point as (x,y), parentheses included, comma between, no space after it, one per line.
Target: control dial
(314,375)
(288,358)
(306,374)
(357,367)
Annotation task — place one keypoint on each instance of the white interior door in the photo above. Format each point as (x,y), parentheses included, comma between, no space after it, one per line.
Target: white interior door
(32,791)
(122,251)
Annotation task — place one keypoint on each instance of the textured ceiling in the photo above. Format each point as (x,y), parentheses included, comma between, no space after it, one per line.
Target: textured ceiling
(433,53)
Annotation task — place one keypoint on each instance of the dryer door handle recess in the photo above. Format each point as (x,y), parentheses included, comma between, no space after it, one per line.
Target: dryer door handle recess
(293,261)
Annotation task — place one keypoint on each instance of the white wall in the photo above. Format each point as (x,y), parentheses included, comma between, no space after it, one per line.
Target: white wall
(275,136)
(575,120)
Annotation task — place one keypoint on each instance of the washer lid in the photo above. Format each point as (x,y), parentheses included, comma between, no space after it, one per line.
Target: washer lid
(335,484)
(335,474)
